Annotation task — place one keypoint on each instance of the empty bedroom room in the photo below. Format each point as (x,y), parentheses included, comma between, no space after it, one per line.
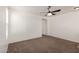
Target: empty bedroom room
(40,29)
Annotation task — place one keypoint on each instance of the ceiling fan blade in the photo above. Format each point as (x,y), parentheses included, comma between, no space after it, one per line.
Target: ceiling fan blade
(53,14)
(57,10)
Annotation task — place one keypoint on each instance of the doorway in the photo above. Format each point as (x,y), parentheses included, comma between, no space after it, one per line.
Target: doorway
(44,26)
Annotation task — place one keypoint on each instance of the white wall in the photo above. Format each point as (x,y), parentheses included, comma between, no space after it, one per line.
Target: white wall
(23,26)
(3,42)
(65,26)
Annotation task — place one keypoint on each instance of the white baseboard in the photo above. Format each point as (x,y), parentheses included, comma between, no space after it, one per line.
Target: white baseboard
(17,39)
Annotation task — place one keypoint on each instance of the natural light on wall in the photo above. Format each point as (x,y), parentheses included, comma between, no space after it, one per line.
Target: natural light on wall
(6,23)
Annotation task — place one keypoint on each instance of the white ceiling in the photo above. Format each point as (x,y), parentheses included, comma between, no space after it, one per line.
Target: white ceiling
(38,9)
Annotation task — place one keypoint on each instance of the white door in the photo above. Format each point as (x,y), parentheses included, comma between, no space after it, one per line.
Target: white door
(44,26)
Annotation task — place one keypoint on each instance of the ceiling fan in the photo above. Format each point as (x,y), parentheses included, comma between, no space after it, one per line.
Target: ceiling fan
(50,13)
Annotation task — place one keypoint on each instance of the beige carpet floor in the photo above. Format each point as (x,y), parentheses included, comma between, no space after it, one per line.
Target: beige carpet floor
(45,44)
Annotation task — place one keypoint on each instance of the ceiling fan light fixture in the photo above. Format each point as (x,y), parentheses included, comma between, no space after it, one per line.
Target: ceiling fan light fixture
(77,8)
(49,14)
